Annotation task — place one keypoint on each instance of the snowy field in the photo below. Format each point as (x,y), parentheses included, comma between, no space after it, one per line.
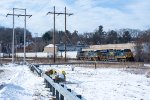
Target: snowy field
(19,83)
(106,84)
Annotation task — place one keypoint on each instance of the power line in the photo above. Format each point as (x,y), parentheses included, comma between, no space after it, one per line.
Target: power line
(55,13)
(13,41)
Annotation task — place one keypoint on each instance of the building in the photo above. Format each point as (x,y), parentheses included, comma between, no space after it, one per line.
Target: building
(70,47)
(50,48)
(61,47)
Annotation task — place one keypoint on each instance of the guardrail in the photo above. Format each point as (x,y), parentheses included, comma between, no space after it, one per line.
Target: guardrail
(59,90)
(34,68)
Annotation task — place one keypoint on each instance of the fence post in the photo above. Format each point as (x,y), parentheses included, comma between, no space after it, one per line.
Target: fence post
(44,80)
(46,84)
(40,74)
(95,65)
(61,96)
(51,88)
(57,95)
(53,91)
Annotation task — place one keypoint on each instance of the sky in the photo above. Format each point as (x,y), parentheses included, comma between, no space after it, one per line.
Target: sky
(87,14)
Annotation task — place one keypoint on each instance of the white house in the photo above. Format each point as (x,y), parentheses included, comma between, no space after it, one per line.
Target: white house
(50,48)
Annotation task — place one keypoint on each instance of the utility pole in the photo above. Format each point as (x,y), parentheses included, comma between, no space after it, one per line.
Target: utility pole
(0,52)
(54,37)
(25,37)
(55,13)
(53,32)
(13,40)
(22,15)
(36,37)
(69,14)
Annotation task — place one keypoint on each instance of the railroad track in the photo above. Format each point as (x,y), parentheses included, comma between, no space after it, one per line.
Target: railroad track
(80,63)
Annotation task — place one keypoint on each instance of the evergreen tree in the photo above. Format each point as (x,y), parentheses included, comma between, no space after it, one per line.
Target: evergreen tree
(99,36)
(112,37)
(47,36)
(126,37)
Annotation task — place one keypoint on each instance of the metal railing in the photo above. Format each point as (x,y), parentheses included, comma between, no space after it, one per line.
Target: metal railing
(35,69)
(60,91)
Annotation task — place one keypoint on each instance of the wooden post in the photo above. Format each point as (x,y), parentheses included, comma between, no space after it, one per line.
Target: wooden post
(54,35)
(65,36)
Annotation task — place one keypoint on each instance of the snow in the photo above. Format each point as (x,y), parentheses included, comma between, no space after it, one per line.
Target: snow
(50,46)
(106,84)
(17,82)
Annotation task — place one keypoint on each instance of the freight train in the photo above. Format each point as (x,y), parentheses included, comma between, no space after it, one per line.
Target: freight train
(106,55)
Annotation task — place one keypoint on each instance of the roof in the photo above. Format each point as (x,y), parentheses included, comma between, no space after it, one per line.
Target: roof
(111,46)
(50,45)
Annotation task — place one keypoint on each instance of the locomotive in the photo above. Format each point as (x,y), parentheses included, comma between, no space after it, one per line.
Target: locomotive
(106,55)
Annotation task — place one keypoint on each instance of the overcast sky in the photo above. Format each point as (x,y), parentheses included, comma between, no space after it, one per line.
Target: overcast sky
(88,14)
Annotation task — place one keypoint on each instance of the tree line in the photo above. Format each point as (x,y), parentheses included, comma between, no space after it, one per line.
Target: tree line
(99,36)
(6,38)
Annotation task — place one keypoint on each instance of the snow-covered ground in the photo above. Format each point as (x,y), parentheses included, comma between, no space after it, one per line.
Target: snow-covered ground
(17,82)
(106,84)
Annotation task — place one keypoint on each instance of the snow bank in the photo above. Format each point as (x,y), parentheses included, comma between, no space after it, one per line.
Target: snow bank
(19,83)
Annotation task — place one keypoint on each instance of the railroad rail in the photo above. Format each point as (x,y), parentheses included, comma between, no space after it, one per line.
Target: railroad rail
(93,64)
